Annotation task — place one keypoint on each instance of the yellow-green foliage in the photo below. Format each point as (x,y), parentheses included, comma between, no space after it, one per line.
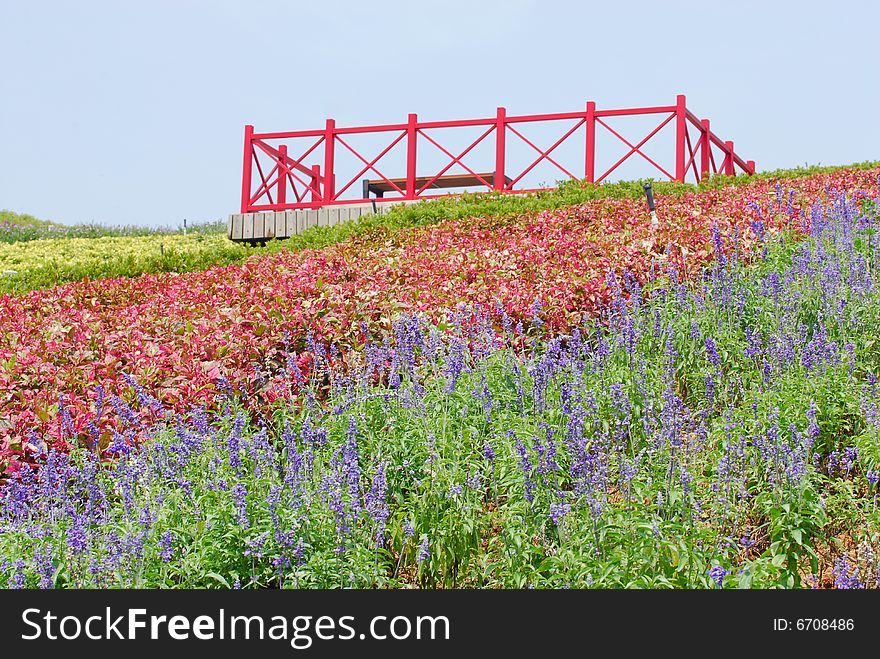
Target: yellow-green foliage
(84,251)
(41,263)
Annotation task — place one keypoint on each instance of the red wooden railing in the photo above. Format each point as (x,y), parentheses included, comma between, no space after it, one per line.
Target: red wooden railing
(275,180)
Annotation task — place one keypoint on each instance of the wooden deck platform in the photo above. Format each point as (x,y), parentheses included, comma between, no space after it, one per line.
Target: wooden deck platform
(255,228)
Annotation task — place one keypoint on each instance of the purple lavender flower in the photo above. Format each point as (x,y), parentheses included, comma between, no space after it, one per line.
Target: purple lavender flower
(630,468)
(558,511)
(257,545)
(685,478)
(488,452)
(454,364)
(18,580)
(166,544)
(240,493)
(846,575)
(717,241)
(423,554)
(299,552)
(536,313)
(717,575)
(758,226)
(377,505)
(351,466)
(672,418)
(710,388)
(712,352)
(753,343)
(45,565)
(766,371)
(200,422)
(813,430)
(77,539)
(849,458)
(128,416)
(234,442)
(66,421)
(833,462)
(146,400)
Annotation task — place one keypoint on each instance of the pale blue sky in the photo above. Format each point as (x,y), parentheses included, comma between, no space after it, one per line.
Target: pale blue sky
(133,112)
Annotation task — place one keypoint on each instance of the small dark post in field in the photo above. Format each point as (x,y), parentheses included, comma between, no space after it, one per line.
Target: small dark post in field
(649,193)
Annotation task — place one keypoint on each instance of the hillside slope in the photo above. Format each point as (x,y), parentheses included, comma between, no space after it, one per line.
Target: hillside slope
(180,335)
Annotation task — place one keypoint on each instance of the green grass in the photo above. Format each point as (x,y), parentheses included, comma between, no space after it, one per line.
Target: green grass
(19,227)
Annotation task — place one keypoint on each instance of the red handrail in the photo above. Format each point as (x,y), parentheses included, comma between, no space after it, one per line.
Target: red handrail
(265,189)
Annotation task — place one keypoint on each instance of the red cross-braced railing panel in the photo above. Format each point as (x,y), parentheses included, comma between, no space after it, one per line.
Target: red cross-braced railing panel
(421,160)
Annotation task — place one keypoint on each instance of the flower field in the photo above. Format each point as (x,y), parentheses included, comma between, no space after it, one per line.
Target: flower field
(552,398)
(179,335)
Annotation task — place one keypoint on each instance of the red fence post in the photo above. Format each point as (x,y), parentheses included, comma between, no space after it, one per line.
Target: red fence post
(751,166)
(705,150)
(329,171)
(680,133)
(728,161)
(246,168)
(316,186)
(411,136)
(590,169)
(282,176)
(500,139)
